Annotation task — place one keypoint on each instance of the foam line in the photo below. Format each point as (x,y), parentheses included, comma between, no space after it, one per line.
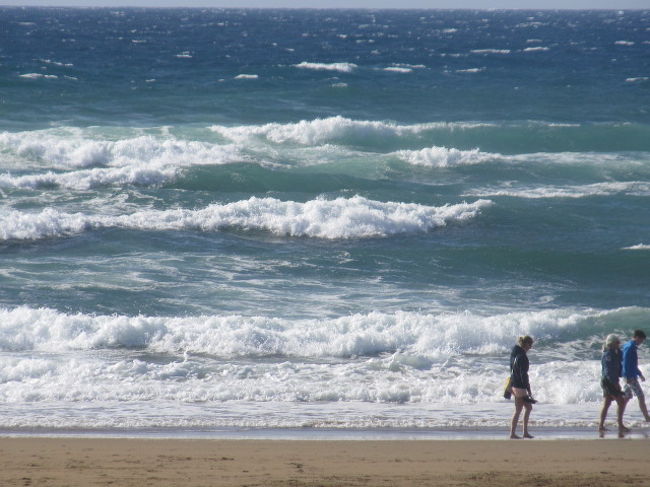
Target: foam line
(340,218)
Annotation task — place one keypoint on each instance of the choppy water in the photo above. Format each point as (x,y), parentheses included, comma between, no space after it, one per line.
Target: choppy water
(317,218)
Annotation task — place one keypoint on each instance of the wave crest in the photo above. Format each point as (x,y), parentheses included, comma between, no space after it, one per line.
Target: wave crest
(340,67)
(445,157)
(322,130)
(83,163)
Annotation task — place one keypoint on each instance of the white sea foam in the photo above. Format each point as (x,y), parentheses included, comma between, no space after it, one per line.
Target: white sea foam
(631,188)
(445,157)
(398,69)
(137,160)
(39,76)
(532,23)
(576,158)
(355,217)
(430,337)
(143,175)
(323,130)
(411,66)
(74,150)
(56,63)
(638,247)
(341,67)
(471,70)
(490,51)
(403,357)
(548,158)
(247,76)
(536,49)
(624,43)
(638,79)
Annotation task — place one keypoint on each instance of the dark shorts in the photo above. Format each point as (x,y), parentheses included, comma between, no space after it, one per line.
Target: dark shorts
(634,386)
(610,388)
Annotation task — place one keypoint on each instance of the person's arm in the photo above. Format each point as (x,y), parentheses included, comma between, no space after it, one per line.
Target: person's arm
(634,357)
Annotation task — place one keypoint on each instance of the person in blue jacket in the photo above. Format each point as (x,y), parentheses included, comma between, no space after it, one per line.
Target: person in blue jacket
(631,371)
(611,366)
(521,385)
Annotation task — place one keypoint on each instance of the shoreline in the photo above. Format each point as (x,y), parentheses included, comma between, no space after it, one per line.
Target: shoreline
(77,462)
(319,434)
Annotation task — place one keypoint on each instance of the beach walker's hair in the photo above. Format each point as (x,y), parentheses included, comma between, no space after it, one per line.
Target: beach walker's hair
(610,340)
(639,334)
(525,340)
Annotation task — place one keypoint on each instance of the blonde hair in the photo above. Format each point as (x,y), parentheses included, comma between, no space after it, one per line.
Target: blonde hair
(525,340)
(610,340)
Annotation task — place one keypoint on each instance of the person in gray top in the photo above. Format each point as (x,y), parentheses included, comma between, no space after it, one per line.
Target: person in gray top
(611,366)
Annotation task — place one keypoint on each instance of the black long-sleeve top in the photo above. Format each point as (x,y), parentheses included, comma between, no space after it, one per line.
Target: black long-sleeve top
(519,366)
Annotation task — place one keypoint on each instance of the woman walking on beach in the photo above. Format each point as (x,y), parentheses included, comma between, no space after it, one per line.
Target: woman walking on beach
(611,365)
(521,385)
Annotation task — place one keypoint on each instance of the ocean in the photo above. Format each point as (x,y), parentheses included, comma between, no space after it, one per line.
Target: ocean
(317,219)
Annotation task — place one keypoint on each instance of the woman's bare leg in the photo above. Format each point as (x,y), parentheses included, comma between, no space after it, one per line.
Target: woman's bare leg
(621,403)
(519,403)
(529,408)
(603,413)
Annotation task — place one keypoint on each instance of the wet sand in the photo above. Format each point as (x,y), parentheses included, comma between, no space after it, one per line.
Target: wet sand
(173,462)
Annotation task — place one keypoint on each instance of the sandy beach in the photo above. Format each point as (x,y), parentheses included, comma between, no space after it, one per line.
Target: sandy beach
(172,462)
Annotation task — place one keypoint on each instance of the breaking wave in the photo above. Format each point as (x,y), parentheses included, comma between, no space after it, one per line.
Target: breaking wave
(404,357)
(445,157)
(323,130)
(340,218)
(429,336)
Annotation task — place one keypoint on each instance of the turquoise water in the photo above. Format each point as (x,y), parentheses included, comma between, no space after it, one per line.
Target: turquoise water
(271,218)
